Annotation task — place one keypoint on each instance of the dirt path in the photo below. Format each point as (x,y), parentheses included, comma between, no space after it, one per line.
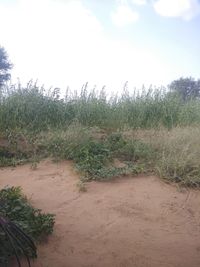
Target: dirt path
(131,222)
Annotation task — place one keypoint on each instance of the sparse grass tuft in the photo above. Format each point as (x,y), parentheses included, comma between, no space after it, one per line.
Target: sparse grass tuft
(81,186)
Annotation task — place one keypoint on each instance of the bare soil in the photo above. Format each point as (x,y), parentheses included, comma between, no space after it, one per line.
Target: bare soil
(129,222)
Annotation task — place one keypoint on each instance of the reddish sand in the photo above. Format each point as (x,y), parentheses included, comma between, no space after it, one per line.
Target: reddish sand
(130,222)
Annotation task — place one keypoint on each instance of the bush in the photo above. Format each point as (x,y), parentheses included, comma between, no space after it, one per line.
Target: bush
(135,150)
(92,157)
(35,224)
(115,141)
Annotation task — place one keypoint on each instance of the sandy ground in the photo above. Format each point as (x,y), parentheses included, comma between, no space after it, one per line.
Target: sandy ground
(130,222)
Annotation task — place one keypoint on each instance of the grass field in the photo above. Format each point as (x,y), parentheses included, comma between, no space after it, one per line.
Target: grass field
(148,131)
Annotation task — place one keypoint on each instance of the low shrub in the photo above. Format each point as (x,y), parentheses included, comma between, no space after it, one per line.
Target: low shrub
(15,211)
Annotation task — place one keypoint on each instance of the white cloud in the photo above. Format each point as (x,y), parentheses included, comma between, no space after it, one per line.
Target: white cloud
(53,41)
(139,2)
(124,15)
(62,43)
(186,9)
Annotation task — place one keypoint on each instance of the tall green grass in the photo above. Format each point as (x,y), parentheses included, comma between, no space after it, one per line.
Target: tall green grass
(36,109)
(148,131)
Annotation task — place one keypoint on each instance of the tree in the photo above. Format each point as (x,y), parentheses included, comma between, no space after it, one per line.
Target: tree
(5,66)
(186,87)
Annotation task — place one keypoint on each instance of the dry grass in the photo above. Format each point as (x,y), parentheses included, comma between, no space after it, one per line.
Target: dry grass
(177,153)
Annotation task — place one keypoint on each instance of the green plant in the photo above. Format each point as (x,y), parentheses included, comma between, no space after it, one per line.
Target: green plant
(116,141)
(107,173)
(35,109)
(135,150)
(5,67)
(91,157)
(15,241)
(39,123)
(20,221)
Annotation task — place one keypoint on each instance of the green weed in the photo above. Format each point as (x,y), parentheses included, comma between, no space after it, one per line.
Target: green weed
(15,207)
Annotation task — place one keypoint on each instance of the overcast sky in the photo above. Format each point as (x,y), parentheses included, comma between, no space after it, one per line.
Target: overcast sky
(69,42)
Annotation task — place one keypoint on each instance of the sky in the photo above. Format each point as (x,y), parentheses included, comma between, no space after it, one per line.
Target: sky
(65,43)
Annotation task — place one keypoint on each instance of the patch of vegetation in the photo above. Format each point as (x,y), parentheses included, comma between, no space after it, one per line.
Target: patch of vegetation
(8,158)
(39,123)
(35,109)
(177,154)
(15,210)
(61,144)
(92,157)
(174,155)
(115,141)
(15,239)
(128,149)
(108,173)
